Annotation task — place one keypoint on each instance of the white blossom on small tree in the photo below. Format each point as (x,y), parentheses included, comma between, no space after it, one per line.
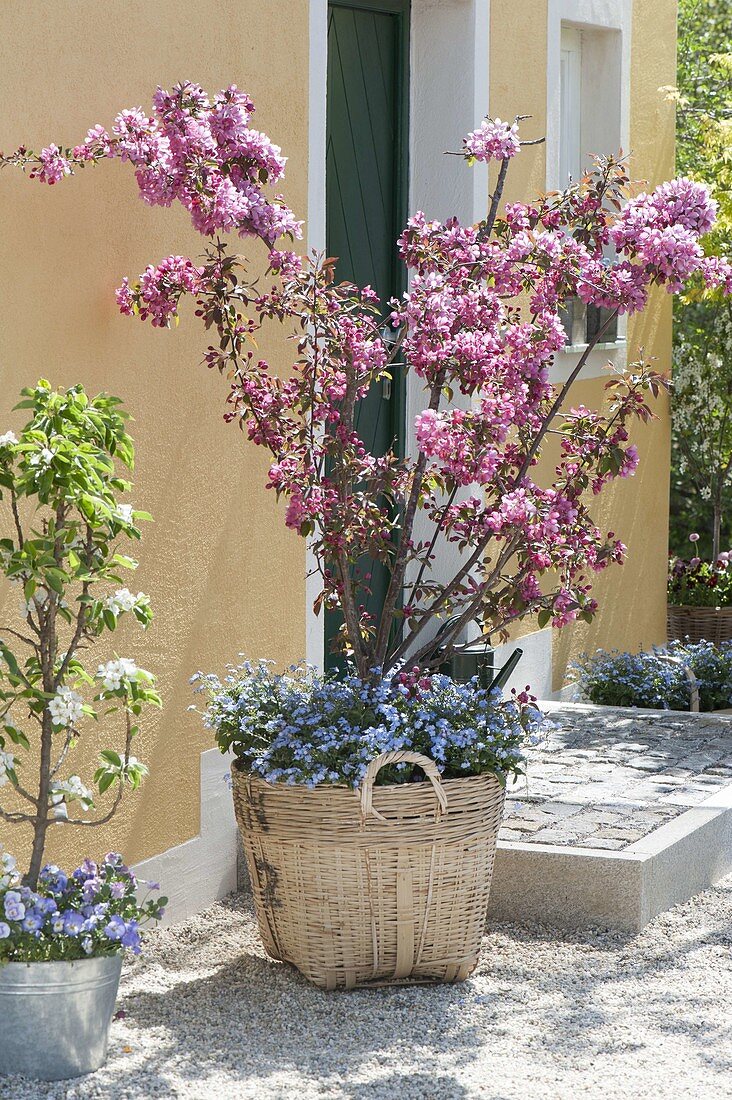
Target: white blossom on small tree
(60,478)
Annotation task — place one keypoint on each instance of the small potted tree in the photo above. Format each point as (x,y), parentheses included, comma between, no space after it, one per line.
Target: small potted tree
(392,885)
(62,936)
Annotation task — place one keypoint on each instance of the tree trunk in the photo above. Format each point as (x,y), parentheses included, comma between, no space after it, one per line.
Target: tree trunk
(717,526)
(42,821)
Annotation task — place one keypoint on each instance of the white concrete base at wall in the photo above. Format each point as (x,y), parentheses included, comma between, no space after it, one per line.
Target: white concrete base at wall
(197,873)
(534,668)
(569,887)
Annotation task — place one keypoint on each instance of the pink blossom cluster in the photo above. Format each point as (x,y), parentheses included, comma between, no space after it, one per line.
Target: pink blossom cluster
(717,273)
(482,317)
(451,439)
(662,230)
(461,328)
(201,152)
(160,289)
(493,140)
(52,166)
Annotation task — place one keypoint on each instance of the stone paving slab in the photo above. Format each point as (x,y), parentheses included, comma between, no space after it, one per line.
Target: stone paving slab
(623,814)
(606,777)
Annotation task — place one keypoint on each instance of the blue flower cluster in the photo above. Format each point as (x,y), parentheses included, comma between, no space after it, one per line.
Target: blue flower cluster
(94,911)
(301,727)
(642,680)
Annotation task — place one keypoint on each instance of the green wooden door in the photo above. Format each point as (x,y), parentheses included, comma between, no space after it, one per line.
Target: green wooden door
(366,182)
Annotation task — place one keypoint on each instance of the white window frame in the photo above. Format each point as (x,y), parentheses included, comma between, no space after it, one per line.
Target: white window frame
(591,15)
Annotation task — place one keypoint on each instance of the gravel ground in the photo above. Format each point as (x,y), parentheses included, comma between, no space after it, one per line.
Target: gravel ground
(547,1015)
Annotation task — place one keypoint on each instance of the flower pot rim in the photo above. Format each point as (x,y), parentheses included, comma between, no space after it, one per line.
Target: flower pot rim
(65,962)
(237,767)
(700,607)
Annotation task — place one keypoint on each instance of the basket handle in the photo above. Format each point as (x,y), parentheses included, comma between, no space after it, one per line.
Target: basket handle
(398,757)
(693,682)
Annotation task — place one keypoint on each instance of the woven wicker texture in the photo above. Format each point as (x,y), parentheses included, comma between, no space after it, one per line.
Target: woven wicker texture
(696,624)
(383,885)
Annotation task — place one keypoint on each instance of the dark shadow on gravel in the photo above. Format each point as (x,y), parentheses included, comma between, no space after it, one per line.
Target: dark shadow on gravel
(263,1019)
(421,1086)
(323,1037)
(539,996)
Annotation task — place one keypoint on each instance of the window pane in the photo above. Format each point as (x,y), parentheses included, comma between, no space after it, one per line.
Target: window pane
(596,318)
(570,123)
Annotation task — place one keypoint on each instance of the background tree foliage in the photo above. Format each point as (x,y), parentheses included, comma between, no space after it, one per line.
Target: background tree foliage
(701,485)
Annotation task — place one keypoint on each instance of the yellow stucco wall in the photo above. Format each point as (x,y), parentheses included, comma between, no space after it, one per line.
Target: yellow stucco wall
(632,598)
(223,573)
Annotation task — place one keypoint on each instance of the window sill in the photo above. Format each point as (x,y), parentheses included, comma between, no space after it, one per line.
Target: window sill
(579,349)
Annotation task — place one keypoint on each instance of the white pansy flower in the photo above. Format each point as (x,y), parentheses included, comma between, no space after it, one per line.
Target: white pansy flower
(7,763)
(114,673)
(123,513)
(66,707)
(124,600)
(7,439)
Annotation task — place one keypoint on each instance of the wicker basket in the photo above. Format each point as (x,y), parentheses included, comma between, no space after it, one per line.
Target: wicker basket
(378,886)
(697,624)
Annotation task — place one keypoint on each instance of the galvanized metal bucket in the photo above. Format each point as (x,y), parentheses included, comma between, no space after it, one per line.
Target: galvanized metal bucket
(55,1016)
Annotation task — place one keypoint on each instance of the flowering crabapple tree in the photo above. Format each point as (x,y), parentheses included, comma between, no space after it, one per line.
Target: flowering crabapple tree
(63,554)
(481,317)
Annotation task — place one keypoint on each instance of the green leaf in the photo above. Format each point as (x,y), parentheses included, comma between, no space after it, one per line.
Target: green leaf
(125,562)
(106,781)
(17,737)
(56,580)
(10,661)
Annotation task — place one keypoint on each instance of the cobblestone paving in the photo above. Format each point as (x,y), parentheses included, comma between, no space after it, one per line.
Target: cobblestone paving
(603,778)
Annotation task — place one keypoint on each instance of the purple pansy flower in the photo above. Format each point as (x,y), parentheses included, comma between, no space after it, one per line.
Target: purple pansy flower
(33,920)
(116,928)
(91,888)
(73,922)
(54,879)
(14,907)
(88,869)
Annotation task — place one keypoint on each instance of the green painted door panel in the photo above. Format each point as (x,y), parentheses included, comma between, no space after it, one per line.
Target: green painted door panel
(366,175)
